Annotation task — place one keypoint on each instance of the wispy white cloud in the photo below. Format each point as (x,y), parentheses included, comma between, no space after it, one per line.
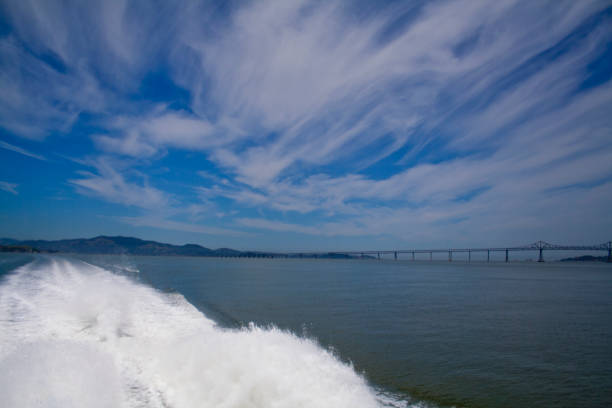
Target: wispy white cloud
(109,184)
(156,222)
(64,59)
(498,219)
(17,149)
(564,155)
(8,187)
(329,88)
(161,129)
(535,133)
(37,98)
(109,181)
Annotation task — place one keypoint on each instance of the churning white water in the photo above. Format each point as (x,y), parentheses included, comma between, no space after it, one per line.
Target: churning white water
(75,335)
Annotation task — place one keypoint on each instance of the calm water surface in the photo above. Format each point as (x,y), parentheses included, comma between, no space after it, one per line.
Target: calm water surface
(448,334)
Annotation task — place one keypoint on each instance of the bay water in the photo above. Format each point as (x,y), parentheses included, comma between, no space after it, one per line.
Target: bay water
(183,331)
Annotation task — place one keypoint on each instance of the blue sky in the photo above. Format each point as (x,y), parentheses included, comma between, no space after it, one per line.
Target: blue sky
(307,124)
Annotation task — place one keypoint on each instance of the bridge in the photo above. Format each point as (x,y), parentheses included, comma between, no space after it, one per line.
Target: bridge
(539,246)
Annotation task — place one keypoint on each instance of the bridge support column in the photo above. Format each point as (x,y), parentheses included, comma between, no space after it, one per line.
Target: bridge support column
(379,255)
(541,257)
(469,256)
(431,256)
(395,255)
(450,256)
(609,251)
(488,255)
(413,255)
(506,254)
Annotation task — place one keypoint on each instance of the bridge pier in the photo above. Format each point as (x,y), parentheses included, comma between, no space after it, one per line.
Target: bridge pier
(541,257)
(431,256)
(469,256)
(395,255)
(488,255)
(506,254)
(609,251)
(413,255)
(379,255)
(450,256)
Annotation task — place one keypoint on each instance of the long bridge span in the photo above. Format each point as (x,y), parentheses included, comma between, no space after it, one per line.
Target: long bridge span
(539,246)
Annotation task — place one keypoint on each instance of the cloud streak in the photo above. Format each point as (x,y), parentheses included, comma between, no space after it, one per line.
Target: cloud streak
(109,184)
(166,224)
(8,187)
(20,150)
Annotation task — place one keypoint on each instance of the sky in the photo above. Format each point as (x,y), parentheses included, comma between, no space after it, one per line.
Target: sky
(283,124)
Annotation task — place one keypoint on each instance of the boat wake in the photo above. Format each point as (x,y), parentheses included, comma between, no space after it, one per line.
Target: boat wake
(76,335)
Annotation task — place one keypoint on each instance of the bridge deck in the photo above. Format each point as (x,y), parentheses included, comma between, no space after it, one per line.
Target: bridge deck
(539,246)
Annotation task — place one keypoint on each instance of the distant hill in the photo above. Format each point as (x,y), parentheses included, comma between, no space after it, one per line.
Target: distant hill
(134,246)
(118,245)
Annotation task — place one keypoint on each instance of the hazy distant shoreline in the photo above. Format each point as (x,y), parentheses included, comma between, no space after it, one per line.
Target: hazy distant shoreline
(117,245)
(585,258)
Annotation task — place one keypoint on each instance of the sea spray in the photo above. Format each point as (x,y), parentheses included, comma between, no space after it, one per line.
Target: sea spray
(74,335)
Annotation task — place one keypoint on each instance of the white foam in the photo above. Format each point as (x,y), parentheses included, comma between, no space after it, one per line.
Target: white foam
(75,335)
